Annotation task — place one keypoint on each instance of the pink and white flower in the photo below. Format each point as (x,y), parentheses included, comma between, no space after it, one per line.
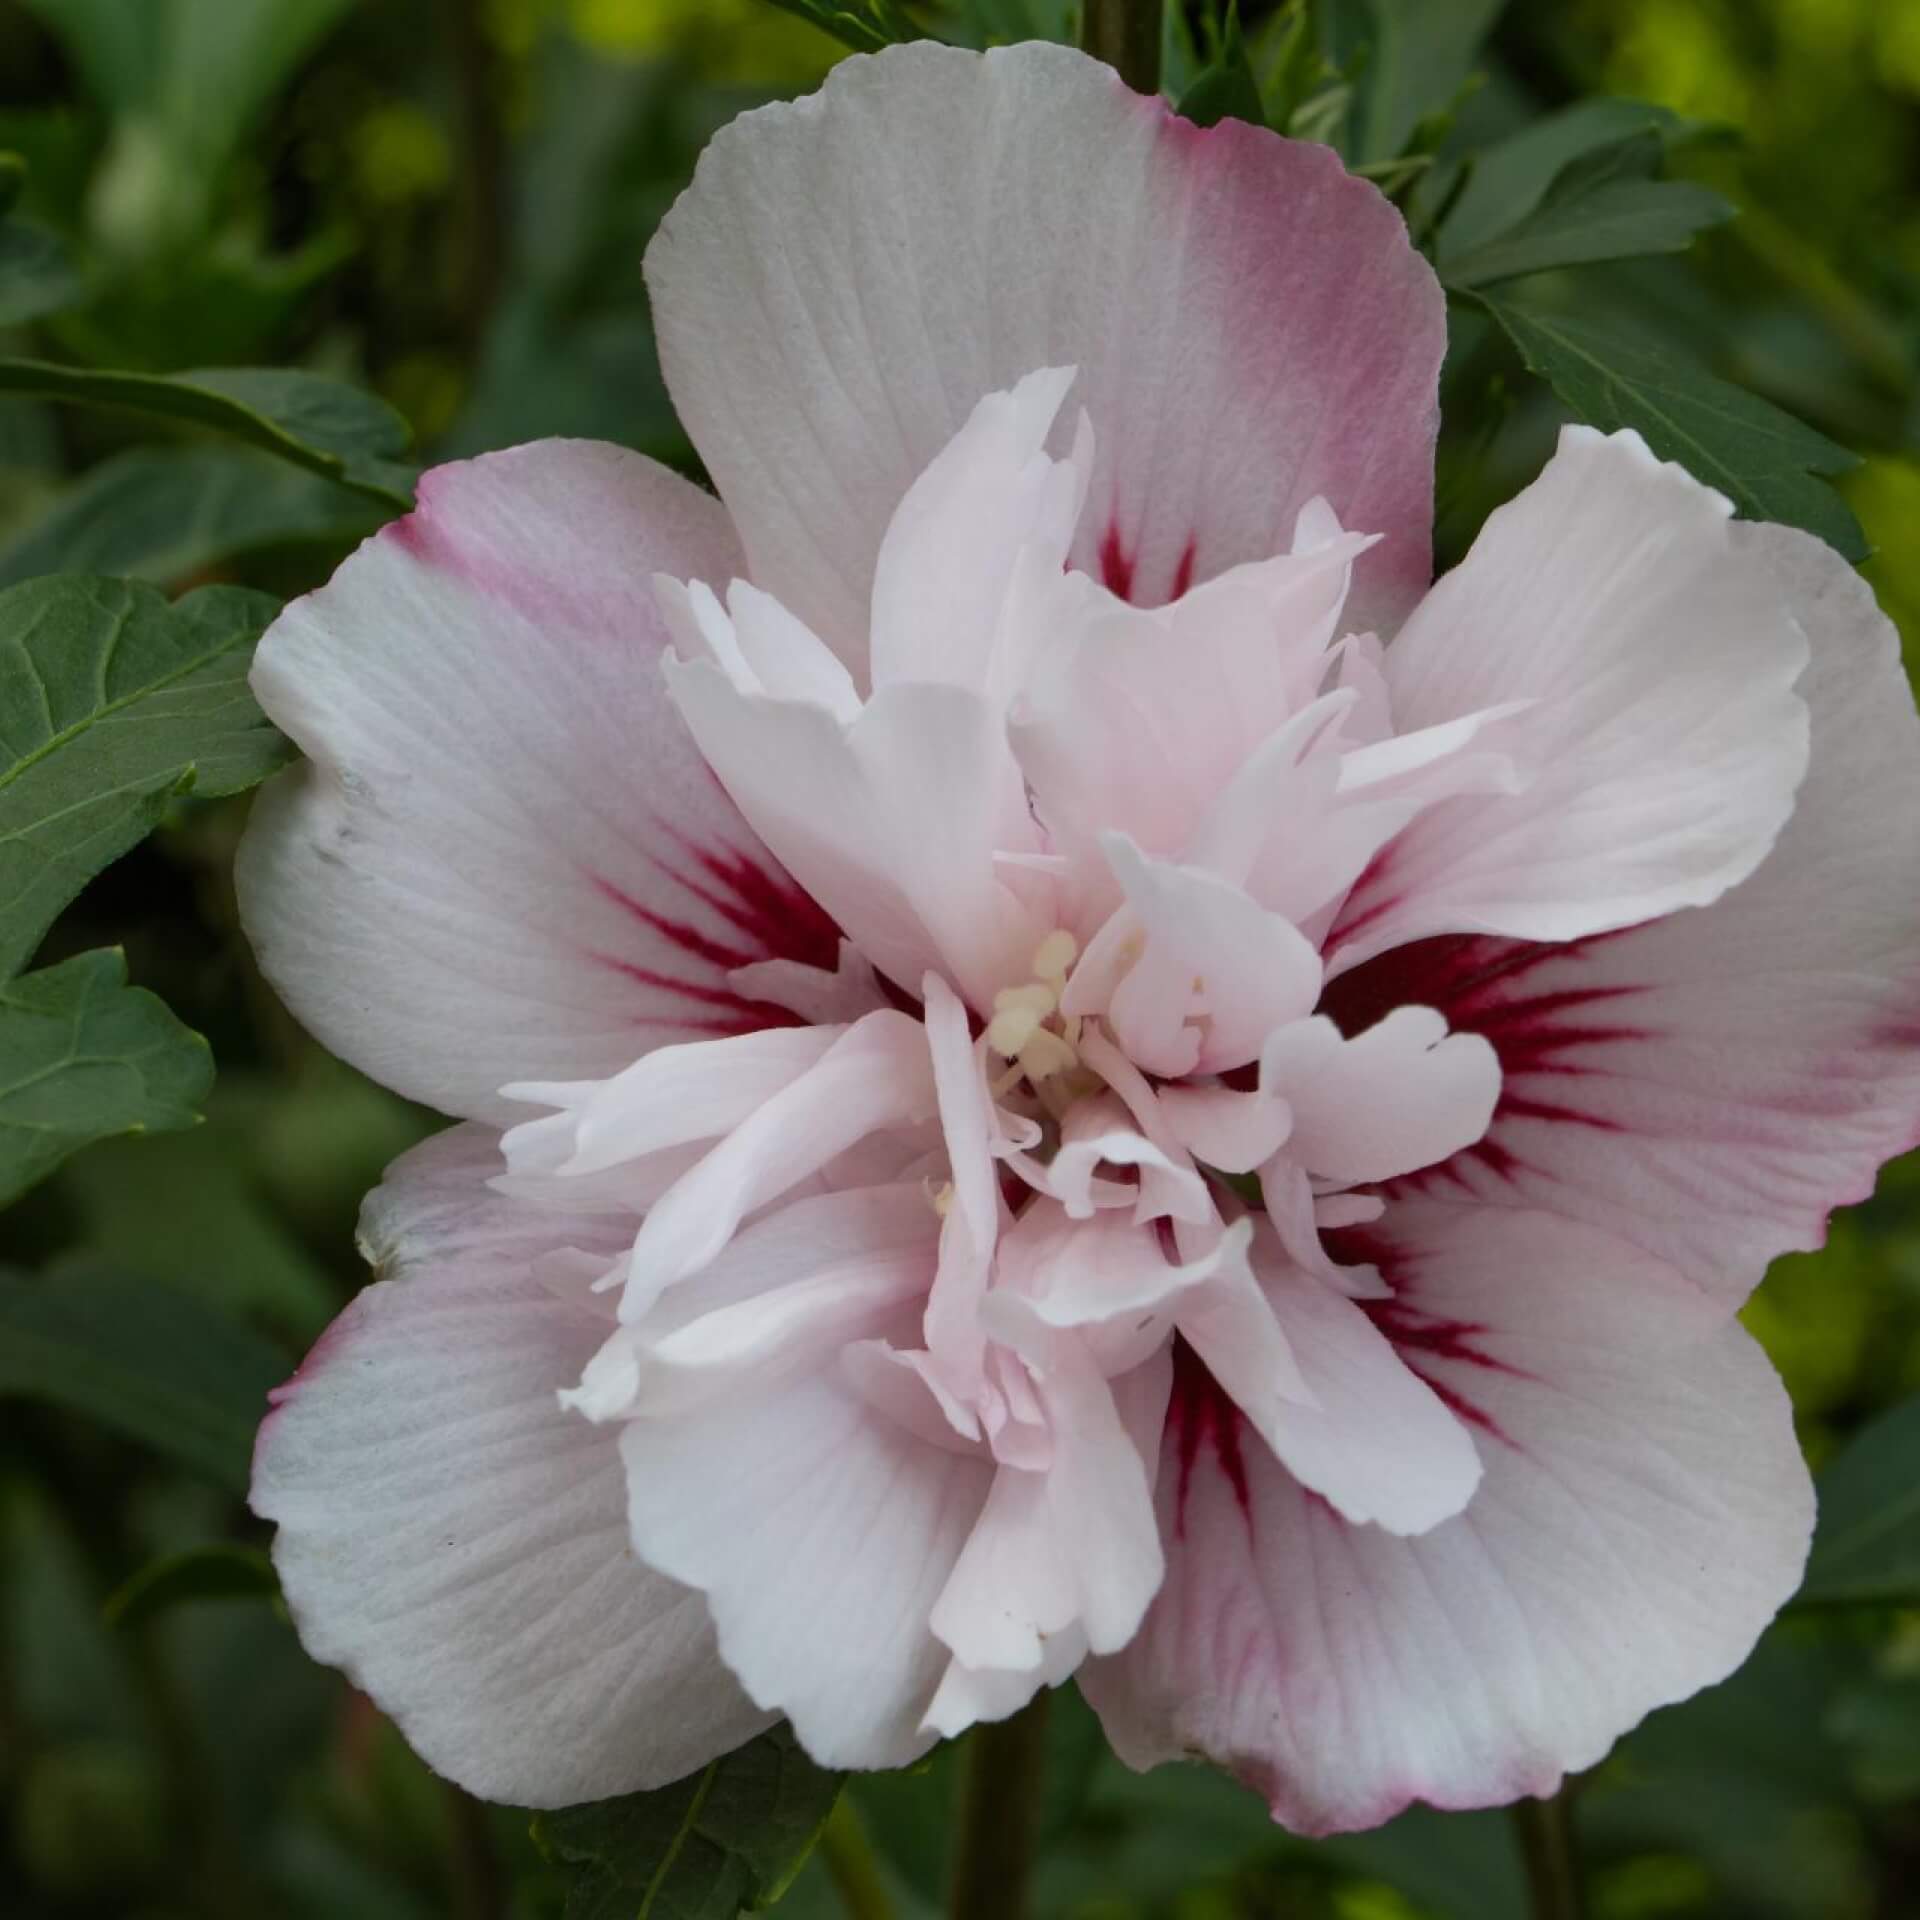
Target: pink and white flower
(1064,1069)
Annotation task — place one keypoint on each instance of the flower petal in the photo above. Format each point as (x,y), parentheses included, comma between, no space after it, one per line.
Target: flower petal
(503,857)
(849,274)
(876,1074)
(821,1532)
(457,1542)
(1711,1086)
(894,818)
(1664,740)
(1645,1511)
(1403,1094)
(948,558)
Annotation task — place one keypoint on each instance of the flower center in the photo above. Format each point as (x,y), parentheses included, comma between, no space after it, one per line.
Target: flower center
(1040,1043)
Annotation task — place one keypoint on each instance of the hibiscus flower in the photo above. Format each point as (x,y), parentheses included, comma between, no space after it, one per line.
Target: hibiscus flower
(1063,1068)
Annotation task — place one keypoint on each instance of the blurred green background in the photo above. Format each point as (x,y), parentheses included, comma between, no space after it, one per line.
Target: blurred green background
(448,200)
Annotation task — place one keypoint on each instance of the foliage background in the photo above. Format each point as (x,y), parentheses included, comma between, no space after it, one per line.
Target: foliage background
(447,201)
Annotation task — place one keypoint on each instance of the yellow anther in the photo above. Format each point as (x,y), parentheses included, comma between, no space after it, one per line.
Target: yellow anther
(1041,999)
(1008,1032)
(1046,1053)
(1054,956)
(940,1198)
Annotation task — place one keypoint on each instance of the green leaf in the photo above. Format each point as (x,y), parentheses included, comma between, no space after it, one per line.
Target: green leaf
(864,25)
(35,276)
(1510,178)
(219,1571)
(166,513)
(140,1358)
(1227,89)
(1420,53)
(1605,204)
(323,425)
(111,703)
(84,1056)
(1866,1548)
(1762,459)
(729,1837)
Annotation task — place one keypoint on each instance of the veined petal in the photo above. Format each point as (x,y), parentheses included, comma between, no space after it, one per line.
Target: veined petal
(791,1289)
(502,857)
(821,1533)
(876,1074)
(1712,1085)
(1214,973)
(1665,740)
(1073,1546)
(674,1095)
(895,817)
(989,497)
(1404,1094)
(458,1543)
(1645,1510)
(1251,325)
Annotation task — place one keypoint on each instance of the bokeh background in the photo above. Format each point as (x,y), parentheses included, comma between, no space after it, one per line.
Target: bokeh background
(448,200)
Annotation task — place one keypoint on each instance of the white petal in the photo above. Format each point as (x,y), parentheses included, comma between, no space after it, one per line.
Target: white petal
(1665,741)
(950,549)
(503,857)
(456,1541)
(821,1533)
(1645,1511)
(875,1074)
(1711,1086)
(1250,322)
(895,819)
(1404,1093)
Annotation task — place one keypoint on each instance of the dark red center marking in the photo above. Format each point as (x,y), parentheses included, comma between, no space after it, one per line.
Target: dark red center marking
(770,917)
(1201,1417)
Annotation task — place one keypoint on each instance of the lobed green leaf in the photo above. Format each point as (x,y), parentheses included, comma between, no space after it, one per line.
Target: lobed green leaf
(1227,88)
(1761,458)
(729,1837)
(112,702)
(164,514)
(84,1056)
(324,425)
(1605,204)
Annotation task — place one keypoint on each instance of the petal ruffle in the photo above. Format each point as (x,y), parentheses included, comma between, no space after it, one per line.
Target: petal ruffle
(1664,740)
(1644,1513)
(456,1541)
(849,274)
(1711,1086)
(821,1532)
(503,858)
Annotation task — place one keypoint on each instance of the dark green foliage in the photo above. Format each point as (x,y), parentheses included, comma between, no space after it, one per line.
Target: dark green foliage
(143,1359)
(1764,461)
(728,1838)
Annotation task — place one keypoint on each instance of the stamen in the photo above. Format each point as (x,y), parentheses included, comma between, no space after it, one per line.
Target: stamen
(1054,957)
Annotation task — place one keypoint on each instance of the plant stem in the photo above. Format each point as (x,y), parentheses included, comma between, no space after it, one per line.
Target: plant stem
(999,1812)
(1126,35)
(479,228)
(851,1865)
(1546,1846)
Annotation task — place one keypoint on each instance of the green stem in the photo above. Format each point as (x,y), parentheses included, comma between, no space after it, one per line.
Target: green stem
(999,1812)
(1126,35)
(851,1866)
(1553,1868)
